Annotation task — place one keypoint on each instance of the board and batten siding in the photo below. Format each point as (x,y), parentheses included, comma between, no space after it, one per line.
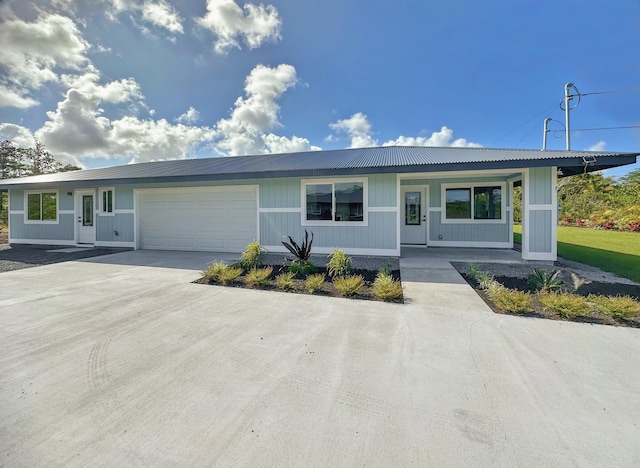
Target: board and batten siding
(281,215)
(540,214)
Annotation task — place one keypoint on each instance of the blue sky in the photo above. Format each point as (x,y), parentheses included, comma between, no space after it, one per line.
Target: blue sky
(105,82)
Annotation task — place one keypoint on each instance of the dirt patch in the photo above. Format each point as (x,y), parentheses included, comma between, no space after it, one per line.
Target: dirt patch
(328,289)
(4,238)
(583,287)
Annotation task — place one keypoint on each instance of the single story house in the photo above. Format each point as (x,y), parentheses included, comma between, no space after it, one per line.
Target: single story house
(367,201)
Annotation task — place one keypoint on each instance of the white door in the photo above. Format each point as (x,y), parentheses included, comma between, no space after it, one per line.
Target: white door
(414,202)
(221,219)
(85,217)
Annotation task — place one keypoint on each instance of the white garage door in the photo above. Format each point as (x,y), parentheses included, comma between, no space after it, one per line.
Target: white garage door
(200,218)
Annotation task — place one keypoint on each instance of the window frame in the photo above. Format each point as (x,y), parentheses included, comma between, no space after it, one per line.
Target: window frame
(101,207)
(333,182)
(41,193)
(472,186)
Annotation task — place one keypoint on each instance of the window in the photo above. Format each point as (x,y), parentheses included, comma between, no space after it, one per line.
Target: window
(42,206)
(473,203)
(106,201)
(329,202)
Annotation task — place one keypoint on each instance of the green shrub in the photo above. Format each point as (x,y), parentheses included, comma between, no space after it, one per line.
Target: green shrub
(385,269)
(474,271)
(285,280)
(339,264)
(512,300)
(252,256)
(314,283)
(564,303)
(616,306)
(386,288)
(213,272)
(258,276)
(229,275)
(348,285)
(303,267)
(541,280)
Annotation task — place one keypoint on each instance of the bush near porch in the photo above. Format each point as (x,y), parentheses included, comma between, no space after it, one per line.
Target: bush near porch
(617,252)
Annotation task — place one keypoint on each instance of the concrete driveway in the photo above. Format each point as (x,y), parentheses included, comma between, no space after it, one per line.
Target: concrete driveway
(121,361)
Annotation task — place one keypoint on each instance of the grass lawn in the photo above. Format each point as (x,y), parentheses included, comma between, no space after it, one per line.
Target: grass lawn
(614,251)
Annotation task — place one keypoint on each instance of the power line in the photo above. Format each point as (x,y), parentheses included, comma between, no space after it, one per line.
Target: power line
(603,128)
(537,116)
(613,91)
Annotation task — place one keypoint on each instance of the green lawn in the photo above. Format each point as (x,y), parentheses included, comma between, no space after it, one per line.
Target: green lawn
(614,251)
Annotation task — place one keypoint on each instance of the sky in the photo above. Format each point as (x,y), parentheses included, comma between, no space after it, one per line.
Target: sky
(108,82)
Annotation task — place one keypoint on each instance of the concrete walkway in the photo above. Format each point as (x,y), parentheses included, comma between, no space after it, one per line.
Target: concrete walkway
(121,361)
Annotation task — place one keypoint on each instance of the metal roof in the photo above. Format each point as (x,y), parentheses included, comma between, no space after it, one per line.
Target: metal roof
(387,159)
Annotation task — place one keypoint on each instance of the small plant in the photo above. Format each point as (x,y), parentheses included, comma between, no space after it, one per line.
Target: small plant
(385,269)
(485,280)
(348,285)
(252,256)
(229,275)
(302,267)
(386,288)
(616,306)
(285,280)
(213,272)
(541,280)
(474,271)
(314,283)
(258,277)
(512,300)
(303,251)
(339,264)
(564,303)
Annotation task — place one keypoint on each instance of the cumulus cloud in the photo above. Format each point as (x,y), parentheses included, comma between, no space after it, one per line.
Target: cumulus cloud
(600,146)
(442,138)
(358,128)
(32,52)
(20,136)
(248,129)
(78,127)
(160,14)
(253,24)
(189,117)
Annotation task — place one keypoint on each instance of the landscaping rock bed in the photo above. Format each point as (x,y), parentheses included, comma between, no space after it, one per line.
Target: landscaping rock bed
(580,279)
(16,257)
(367,267)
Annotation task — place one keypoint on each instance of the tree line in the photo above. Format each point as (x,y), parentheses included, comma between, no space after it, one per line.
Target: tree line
(22,162)
(595,200)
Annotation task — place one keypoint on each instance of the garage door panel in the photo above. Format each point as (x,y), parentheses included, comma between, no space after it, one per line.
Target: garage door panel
(212,218)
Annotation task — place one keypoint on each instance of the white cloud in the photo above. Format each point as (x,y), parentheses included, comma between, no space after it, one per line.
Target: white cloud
(20,136)
(79,129)
(442,138)
(14,98)
(163,15)
(358,128)
(600,146)
(32,52)
(189,117)
(248,129)
(160,14)
(254,24)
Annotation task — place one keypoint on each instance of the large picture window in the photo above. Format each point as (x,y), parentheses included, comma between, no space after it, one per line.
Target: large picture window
(473,203)
(334,202)
(42,206)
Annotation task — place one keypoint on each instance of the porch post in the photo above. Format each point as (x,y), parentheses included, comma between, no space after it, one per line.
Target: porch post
(539,214)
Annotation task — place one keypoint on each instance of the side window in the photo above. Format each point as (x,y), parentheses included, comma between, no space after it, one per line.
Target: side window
(106,201)
(334,202)
(42,206)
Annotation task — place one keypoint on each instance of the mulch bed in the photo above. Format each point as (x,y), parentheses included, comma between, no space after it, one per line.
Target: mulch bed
(328,290)
(539,311)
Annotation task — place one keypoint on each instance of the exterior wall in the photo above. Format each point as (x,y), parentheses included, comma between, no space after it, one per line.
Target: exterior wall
(539,214)
(471,234)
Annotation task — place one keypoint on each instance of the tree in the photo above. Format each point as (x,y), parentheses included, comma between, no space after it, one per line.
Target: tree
(11,160)
(40,161)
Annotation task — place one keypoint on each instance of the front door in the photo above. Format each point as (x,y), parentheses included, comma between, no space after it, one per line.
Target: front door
(85,214)
(413,229)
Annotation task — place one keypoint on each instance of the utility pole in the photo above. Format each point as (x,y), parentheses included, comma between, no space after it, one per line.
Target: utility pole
(567,98)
